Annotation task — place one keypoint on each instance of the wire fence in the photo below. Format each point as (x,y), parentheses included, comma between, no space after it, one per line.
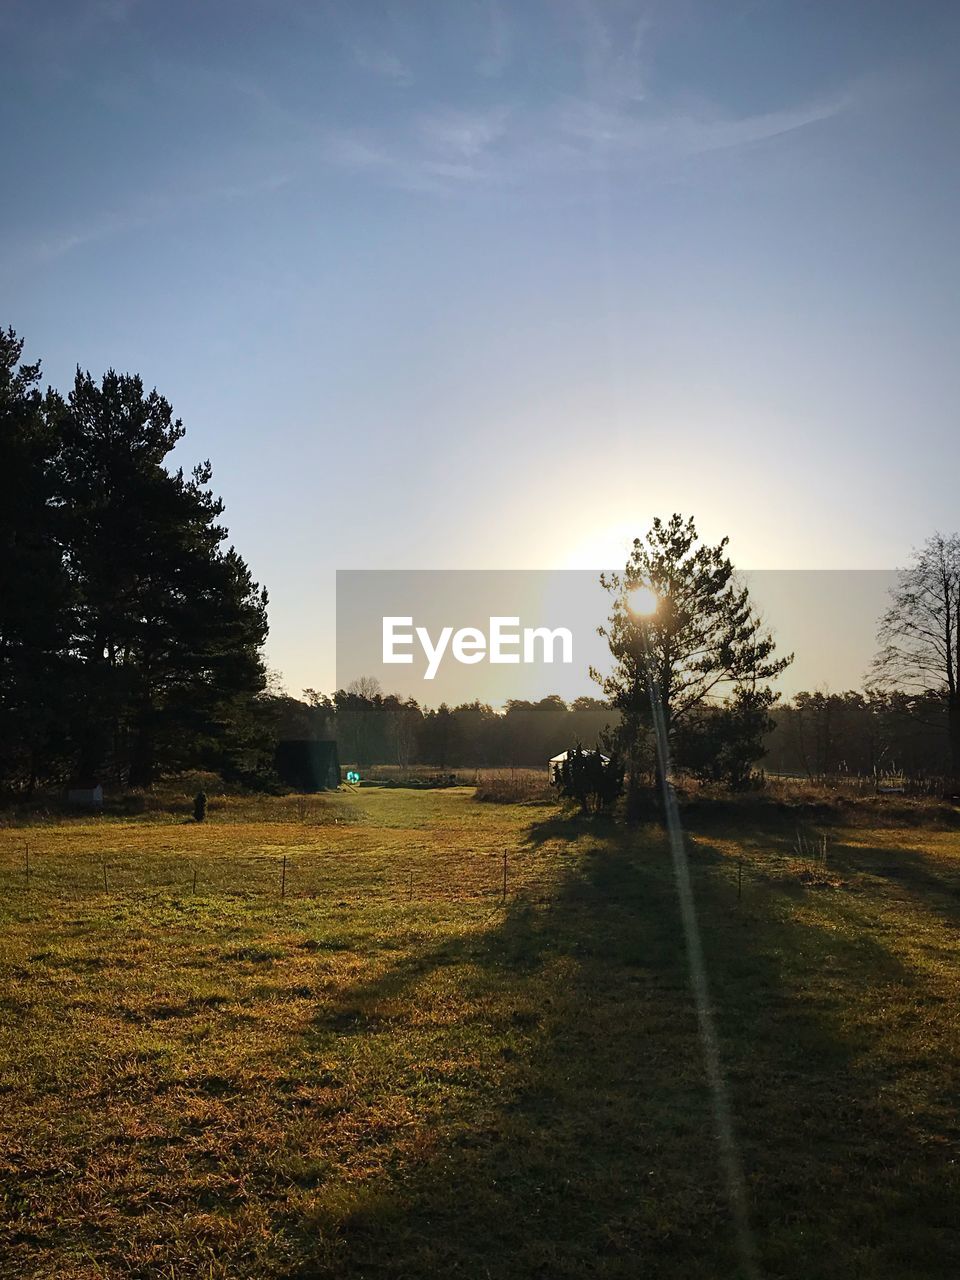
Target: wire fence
(276,874)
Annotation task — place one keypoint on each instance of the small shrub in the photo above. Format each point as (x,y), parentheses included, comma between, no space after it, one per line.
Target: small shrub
(589,778)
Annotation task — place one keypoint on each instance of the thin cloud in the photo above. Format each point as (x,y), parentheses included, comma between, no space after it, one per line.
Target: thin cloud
(716,135)
(494,62)
(681,133)
(383,63)
(507,146)
(614,53)
(154,210)
(608,118)
(462,133)
(406,167)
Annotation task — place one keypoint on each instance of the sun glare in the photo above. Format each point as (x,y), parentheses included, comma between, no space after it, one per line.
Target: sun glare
(642,601)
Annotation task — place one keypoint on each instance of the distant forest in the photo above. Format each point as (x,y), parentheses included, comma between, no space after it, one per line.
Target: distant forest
(814,735)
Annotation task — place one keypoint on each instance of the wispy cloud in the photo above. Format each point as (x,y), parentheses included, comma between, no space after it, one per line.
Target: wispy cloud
(614,52)
(681,132)
(148,211)
(384,63)
(408,166)
(494,61)
(462,133)
(607,115)
(510,146)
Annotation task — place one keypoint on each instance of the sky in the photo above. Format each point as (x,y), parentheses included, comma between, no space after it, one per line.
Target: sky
(487,285)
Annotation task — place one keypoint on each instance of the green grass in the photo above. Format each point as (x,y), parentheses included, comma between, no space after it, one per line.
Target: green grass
(392,1072)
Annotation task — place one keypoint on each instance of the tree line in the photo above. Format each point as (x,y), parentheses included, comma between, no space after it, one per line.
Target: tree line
(819,736)
(373,728)
(856,734)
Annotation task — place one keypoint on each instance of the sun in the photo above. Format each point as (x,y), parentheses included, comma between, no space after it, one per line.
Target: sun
(642,601)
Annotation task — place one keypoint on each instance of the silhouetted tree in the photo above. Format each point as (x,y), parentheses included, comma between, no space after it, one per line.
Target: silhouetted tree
(404,719)
(702,641)
(169,624)
(362,724)
(723,742)
(439,740)
(535,731)
(479,734)
(920,635)
(322,714)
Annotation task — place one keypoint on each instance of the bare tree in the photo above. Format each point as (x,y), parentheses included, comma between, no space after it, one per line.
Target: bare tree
(920,633)
(365,687)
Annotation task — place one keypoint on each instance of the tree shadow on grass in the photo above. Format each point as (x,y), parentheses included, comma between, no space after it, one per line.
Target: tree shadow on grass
(932,883)
(933,887)
(583,1142)
(570,825)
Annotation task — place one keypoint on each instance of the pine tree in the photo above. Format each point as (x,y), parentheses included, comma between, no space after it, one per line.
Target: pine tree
(169,623)
(702,640)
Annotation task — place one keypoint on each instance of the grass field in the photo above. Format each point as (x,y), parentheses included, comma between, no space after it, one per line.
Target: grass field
(393,1070)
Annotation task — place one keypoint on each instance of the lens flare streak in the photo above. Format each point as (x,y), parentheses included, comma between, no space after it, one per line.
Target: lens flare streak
(722,1113)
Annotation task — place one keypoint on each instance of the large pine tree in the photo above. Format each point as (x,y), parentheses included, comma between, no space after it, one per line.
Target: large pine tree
(702,646)
(169,623)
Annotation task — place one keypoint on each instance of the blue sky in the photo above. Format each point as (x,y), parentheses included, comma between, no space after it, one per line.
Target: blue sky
(489,284)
